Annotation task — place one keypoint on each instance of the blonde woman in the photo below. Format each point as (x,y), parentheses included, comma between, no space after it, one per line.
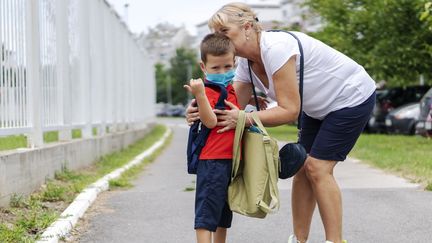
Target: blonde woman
(338,98)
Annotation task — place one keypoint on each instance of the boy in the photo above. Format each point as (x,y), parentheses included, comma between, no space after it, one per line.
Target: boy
(212,213)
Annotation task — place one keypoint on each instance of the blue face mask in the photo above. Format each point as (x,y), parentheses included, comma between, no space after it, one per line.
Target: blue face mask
(221,78)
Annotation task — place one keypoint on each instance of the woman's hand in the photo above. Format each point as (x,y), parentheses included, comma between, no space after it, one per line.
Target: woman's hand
(192,113)
(227,118)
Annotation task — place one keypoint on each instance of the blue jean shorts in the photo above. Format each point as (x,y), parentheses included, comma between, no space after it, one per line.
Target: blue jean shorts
(333,137)
(211,206)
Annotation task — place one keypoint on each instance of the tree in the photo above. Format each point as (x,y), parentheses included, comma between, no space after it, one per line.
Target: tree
(426,16)
(386,36)
(162,85)
(183,62)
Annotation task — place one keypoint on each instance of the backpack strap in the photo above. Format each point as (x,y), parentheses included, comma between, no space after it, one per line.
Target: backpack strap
(220,105)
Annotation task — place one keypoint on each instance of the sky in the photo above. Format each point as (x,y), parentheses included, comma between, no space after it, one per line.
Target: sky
(143,14)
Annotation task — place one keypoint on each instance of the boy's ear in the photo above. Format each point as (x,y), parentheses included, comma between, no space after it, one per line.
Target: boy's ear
(202,66)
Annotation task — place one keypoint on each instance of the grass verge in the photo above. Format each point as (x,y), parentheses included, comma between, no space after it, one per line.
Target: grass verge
(284,132)
(406,156)
(27,217)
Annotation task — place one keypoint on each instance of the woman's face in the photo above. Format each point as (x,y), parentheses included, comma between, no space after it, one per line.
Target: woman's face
(235,33)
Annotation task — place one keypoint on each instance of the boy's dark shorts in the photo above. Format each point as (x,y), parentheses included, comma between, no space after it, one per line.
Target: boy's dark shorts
(333,137)
(211,207)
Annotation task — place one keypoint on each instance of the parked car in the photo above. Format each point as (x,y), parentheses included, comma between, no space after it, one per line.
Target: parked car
(163,109)
(403,119)
(389,99)
(424,125)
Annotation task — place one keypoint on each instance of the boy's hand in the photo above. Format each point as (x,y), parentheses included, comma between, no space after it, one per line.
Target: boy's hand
(196,87)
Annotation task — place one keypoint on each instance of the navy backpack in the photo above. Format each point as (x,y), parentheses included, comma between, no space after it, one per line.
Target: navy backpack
(198,133)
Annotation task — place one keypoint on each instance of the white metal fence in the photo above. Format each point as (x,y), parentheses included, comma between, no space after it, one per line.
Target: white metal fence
(69,64)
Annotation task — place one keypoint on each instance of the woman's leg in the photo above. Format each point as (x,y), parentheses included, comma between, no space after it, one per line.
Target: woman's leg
(220,235)
(303,204)
(328,196)
(203,236)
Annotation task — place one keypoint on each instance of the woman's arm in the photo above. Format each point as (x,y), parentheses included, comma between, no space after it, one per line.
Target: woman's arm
(243,92)
(205,111)
(287,97)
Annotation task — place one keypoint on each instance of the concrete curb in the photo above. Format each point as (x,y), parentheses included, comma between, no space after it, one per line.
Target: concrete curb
(78,207)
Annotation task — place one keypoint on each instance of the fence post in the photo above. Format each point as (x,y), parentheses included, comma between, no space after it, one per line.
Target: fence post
(84,66)
(35,138)
(62,36)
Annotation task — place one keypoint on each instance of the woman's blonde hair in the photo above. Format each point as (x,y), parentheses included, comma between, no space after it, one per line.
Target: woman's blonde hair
(236,13)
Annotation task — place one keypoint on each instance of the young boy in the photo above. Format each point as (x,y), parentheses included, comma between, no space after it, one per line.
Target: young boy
(212,213)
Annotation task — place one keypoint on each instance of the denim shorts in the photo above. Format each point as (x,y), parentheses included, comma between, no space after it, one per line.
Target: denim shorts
(211,206)
(333,137)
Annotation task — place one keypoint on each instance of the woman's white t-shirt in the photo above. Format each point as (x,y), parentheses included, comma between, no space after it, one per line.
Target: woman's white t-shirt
(332,81)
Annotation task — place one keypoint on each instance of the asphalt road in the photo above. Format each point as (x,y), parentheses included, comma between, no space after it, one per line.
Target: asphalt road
(378,207)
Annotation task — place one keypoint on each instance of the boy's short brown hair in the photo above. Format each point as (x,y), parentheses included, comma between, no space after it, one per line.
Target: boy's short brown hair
(216,44)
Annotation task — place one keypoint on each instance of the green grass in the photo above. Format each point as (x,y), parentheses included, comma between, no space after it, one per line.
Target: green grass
(124,181)
(29,216)
(13,142)
(94,131)
(76,133)
(189,189)
(51,136)
(20,141)
(407,156)
(283,133)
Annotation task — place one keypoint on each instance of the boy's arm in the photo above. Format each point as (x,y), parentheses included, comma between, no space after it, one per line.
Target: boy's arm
(207,116)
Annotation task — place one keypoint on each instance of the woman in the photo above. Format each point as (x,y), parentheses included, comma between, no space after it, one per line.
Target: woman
(338,98)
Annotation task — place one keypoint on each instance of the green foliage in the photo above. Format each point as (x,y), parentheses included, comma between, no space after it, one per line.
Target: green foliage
(426,15)
(387,37)
(170,81)
(162,86)
(184,59)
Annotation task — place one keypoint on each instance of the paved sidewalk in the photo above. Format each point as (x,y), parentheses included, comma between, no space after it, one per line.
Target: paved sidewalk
(377,207)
